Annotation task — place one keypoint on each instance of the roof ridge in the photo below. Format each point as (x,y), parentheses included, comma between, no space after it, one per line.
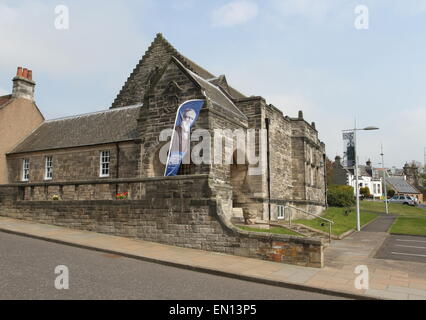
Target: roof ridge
(186,61)
(217,88)
(95,112)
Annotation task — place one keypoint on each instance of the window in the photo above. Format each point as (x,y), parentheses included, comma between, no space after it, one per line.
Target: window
(25,170)
(281,212)
(104,164)
(48,168)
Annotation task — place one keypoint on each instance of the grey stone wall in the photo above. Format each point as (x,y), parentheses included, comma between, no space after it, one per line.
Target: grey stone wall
(307,164)
(182,211)
(81,163)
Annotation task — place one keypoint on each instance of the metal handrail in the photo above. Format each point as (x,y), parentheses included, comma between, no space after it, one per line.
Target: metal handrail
(330,222)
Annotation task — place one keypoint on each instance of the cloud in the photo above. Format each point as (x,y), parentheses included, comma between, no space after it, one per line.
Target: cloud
(234,13)
(311,9)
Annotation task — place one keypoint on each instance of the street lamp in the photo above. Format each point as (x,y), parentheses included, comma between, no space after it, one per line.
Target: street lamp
(358,218)
(384,183)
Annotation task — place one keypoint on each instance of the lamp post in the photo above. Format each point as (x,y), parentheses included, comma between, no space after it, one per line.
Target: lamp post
(354,130)
(384,183)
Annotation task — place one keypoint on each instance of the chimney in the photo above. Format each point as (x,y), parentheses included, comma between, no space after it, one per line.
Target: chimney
(338,159)
(23,85)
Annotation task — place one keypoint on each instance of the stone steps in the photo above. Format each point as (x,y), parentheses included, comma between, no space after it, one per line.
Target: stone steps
(238,218)
(237,215)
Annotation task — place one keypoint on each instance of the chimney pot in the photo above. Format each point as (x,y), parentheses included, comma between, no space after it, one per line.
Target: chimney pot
(301,114)
(19,72)
(30,75)
(25,73)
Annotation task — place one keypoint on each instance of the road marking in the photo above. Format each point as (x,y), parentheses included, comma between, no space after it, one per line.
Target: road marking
(411,240)
(401,245)
(410,254)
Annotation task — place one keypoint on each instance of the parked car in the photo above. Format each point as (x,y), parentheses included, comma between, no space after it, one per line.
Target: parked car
(403,199)
(415,200)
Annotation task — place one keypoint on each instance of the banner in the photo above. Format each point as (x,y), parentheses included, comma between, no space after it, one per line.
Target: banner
(349,149)
(187,115)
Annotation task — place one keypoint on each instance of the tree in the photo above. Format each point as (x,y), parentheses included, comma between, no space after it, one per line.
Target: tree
(329,171)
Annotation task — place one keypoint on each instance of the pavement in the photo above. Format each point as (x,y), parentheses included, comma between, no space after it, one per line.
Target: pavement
(388,279)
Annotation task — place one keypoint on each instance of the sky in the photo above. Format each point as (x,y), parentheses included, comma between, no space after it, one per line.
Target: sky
(305,55)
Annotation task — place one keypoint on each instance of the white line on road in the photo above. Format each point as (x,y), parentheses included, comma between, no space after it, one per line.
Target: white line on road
(411,240)
(410,254)
(401,245)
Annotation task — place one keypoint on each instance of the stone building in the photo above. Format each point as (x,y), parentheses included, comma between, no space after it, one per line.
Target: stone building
(19,116)
(125,138)
(74,171)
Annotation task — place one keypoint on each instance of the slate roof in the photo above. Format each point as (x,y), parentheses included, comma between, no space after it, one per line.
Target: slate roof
(215,94)
(362,171)
(108,126)
(5,99)
(400,185)
(203,73)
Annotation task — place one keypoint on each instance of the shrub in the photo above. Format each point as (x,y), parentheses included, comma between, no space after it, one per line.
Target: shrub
(340,196)
(391,193)
(364,192)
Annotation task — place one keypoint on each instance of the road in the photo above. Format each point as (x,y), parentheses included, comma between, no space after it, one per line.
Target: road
(27,272)
(402,247)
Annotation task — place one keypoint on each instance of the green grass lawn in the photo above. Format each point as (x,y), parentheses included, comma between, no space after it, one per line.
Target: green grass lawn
(278,230)
(394,208)
(412,220)
(410,226)
(342,223)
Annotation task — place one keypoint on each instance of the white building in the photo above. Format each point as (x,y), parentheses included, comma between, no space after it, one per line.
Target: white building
(341,175)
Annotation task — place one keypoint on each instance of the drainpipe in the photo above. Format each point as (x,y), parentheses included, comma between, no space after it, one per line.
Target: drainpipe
(268,122)
(117,167)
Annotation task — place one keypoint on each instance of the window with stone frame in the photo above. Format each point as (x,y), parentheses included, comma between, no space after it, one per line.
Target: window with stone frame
(48,168)
(25,169)
(280,212)
(105,157)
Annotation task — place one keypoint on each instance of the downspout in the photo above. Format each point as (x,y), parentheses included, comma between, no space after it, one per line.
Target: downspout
(267,122)
(117,167)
